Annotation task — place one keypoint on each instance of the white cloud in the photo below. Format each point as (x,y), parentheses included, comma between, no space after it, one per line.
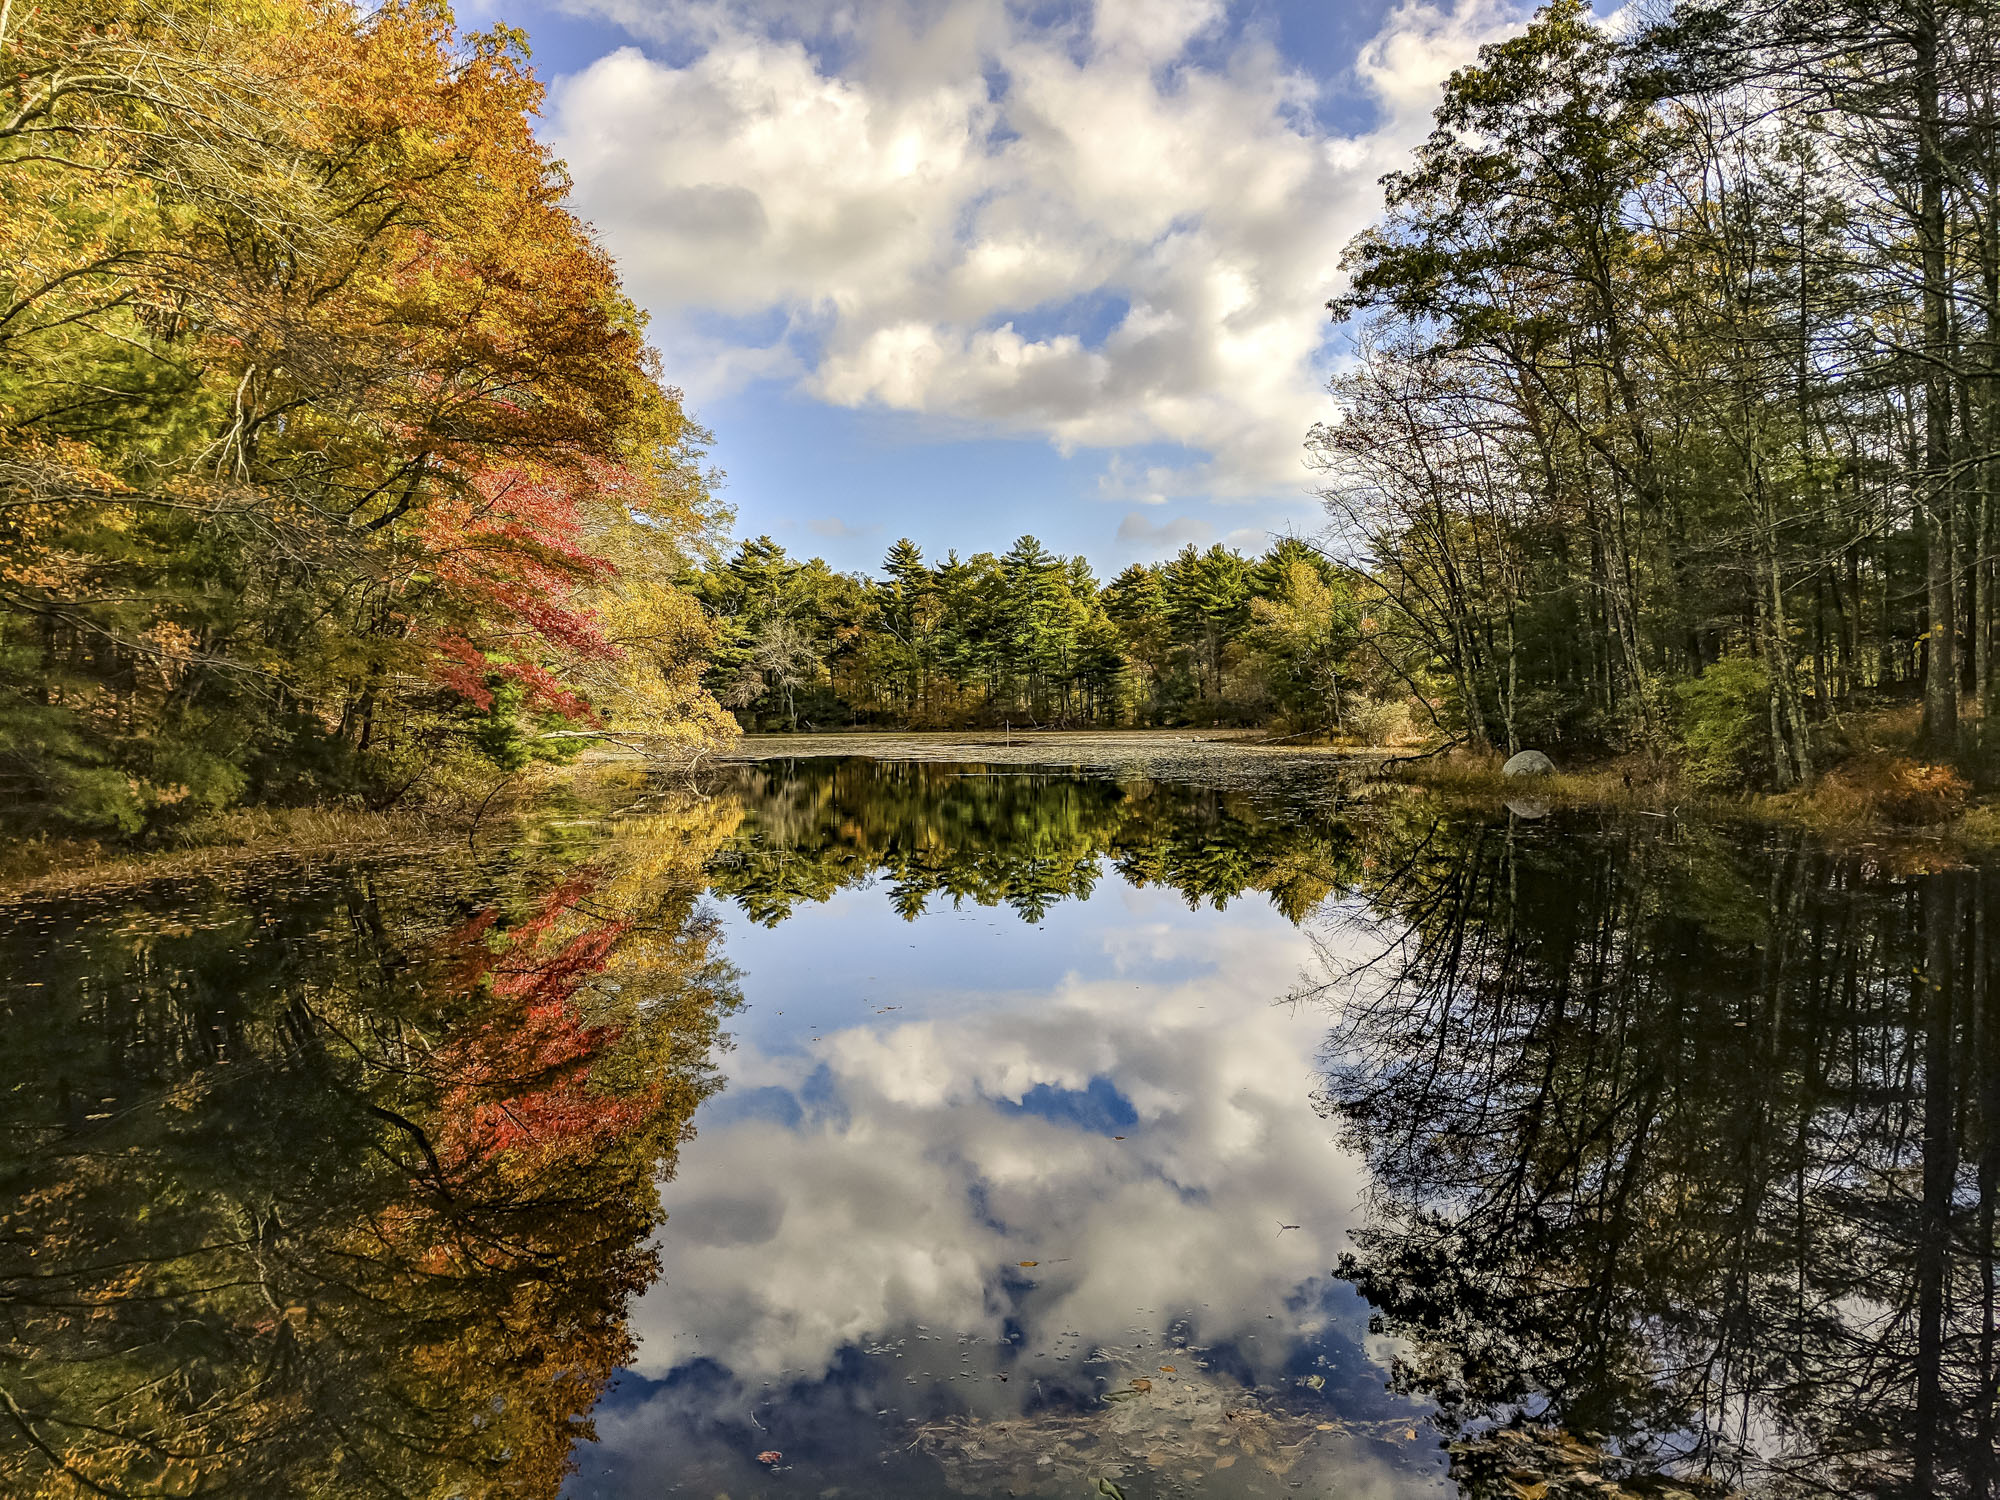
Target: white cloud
(1250,539)
(920,222)
(909,1198)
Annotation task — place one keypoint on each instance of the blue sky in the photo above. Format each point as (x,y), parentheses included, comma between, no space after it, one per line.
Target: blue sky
(964,269)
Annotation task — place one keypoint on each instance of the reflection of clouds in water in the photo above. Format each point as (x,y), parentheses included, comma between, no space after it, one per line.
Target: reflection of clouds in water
(894,1172)
(842,1278)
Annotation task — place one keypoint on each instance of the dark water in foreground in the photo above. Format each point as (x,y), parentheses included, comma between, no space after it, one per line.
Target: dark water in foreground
(1016,1134)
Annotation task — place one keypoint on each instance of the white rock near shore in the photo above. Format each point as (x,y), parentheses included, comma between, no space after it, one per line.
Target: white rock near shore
(1528,763)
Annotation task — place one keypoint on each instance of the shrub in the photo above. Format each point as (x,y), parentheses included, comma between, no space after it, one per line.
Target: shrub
(1378,721)
(1722,721)
(1898,790)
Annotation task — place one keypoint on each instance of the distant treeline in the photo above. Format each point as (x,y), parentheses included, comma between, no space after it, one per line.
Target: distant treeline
(1032,638)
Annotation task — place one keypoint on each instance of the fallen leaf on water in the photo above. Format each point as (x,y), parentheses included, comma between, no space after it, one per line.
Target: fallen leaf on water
(769,1456)
(1027,1263)
(1324,1427)
(1142,1384)
(1168,1370)
(1225,1461)
(1410,1435)
(1118,1138)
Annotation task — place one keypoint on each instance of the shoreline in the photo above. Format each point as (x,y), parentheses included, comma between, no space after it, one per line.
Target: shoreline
(1833,809)
(245,837)
(1855,799)
(1050,747)
(1837,808)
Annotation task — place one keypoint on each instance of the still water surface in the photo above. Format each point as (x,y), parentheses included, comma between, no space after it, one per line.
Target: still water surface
(862,1128)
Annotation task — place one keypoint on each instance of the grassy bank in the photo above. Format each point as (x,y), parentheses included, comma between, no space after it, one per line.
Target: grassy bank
(1876,792)
(47,863)
(1872,794)
(43,865)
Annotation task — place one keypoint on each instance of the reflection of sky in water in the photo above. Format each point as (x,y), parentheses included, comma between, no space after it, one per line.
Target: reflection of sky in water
(967,1168)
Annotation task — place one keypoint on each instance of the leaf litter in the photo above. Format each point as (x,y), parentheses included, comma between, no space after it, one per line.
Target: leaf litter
(1185,1427)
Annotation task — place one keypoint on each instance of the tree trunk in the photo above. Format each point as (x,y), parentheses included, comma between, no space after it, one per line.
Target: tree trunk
(1941,934)
(1941,654)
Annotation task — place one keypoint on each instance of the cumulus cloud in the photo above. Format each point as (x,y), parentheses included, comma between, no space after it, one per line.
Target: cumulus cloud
(910,1169)
(929,208)
(1249,539)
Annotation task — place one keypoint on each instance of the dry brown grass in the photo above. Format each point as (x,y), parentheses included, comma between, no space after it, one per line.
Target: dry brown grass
(245,834)
(1874,791)
(1880,790)
(1633,782)
(46,865)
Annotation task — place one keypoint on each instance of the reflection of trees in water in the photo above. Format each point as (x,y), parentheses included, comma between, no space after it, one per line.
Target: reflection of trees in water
(339,1185)
(1001,835)
(1694,1143)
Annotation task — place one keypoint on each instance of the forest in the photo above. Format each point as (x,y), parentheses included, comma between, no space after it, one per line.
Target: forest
(335,465)
(1673,417)
(1672,425)
(1033,639)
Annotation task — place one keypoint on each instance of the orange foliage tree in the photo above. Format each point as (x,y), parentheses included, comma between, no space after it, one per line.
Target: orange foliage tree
(327,435)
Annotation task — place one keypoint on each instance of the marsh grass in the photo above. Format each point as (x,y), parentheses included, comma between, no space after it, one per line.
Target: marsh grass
(1871,792)
(44,865)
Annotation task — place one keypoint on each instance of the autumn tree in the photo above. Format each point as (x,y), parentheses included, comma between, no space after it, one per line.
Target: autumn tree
(323,419)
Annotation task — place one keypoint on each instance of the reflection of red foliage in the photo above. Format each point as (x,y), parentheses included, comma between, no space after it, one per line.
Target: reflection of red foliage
(554,906)
(521,1080)
(564,969)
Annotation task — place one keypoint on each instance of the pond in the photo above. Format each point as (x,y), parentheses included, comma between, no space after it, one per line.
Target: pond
(849,1127)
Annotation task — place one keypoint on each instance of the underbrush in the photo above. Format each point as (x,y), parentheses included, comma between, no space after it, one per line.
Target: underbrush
(1871,789)
(1875,789)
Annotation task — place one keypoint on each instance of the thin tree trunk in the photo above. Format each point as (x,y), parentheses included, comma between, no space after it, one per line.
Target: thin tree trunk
(1941,656)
